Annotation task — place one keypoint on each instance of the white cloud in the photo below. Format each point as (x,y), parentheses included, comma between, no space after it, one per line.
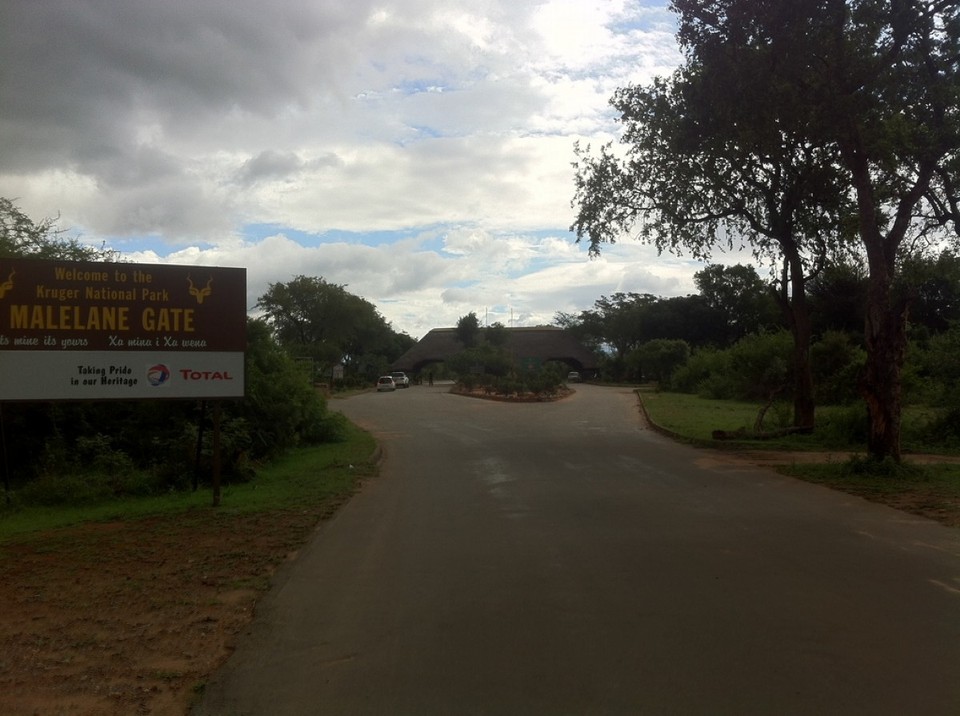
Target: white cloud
(169,129)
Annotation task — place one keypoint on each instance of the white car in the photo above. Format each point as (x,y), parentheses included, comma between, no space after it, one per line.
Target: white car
(385,383)
(400,379)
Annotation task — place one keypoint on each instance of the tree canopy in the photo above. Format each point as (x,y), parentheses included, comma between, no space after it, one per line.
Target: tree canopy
(468,329)
(21,236)
(792,125)
(323,321)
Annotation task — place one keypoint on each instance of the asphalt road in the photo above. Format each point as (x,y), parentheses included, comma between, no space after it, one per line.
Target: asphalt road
(558,558)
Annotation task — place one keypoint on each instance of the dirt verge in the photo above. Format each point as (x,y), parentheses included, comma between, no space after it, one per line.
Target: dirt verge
(132,617)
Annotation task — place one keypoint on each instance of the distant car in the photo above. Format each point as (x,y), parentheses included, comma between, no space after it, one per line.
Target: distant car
(573,377)
(400,379)
(385,382)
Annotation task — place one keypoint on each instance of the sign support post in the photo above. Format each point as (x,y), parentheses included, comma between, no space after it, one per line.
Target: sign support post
(216,453)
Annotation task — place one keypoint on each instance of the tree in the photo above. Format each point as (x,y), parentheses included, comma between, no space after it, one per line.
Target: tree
(496,335)
(660,357)
(468,329)
(323,321)
(838,298)
(934,283)
(281,408)
(703,172)
(31,426)
(621,318)
(738,295)
(866,89)
(878,84)
(22,237)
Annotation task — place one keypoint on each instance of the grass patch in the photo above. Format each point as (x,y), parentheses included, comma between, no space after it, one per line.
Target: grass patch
(694,419)
(931,491)
(304,478)
(839,428)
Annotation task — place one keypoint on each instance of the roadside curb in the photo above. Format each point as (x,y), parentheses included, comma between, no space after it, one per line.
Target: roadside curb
(666,432)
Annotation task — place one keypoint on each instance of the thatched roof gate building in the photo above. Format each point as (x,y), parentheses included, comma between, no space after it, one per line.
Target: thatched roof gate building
(536,344)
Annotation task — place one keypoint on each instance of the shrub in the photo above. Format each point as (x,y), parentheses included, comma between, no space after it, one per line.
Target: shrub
(938,365)
(837,363)
(762,365)
(702,364)
(658,359)
(843,426)
(942,430)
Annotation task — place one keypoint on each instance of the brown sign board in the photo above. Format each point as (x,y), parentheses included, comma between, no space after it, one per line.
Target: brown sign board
(82,330)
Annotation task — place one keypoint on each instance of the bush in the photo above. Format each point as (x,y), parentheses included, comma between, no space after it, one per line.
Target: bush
(328,428)
(93,471)
(693,375)
(658,359)
(843,426)
(762,365)
(938,368)
(837,363)
(282,409)
(942,430)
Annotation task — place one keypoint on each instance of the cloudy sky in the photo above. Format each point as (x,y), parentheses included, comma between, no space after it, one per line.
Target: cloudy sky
(416,151)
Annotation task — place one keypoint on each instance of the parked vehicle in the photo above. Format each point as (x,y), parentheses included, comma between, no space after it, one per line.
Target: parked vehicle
(400,379)
(385,383)
(573,377)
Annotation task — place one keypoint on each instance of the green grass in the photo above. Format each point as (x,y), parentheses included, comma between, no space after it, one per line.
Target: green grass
(305,477)
(696,418)
(692,418)
(931,489)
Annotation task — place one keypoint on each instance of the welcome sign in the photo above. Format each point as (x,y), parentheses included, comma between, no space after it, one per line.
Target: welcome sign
(101,331)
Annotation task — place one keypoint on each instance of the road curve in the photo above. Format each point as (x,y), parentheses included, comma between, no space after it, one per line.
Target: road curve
(558,558)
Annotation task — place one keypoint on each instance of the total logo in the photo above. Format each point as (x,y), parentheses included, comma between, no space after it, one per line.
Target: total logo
(158,375)
(188,374)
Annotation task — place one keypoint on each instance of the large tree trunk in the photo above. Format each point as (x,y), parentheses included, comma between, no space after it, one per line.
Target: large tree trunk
(886,338)
(797,314)
(885,325)
(804,405)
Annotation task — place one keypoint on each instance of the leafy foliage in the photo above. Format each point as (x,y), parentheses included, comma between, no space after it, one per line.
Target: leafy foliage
(281,409)
(487,364)
(659,358)
(21,236)
(87,452)
(468,330)
(838,362)
(327,324)
(793,124)
(740,299)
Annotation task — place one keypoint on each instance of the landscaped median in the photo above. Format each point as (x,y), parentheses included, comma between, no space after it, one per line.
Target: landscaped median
(927,483)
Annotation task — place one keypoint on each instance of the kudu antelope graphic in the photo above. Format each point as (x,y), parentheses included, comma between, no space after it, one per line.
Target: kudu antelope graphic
(8,284)
(200,293)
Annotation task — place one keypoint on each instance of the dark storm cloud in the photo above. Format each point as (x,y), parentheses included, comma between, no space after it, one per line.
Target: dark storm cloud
(80,82)
(273,165)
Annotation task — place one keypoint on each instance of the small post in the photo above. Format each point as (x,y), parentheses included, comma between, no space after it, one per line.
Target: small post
(216,453)
(6,467)
(199,455)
